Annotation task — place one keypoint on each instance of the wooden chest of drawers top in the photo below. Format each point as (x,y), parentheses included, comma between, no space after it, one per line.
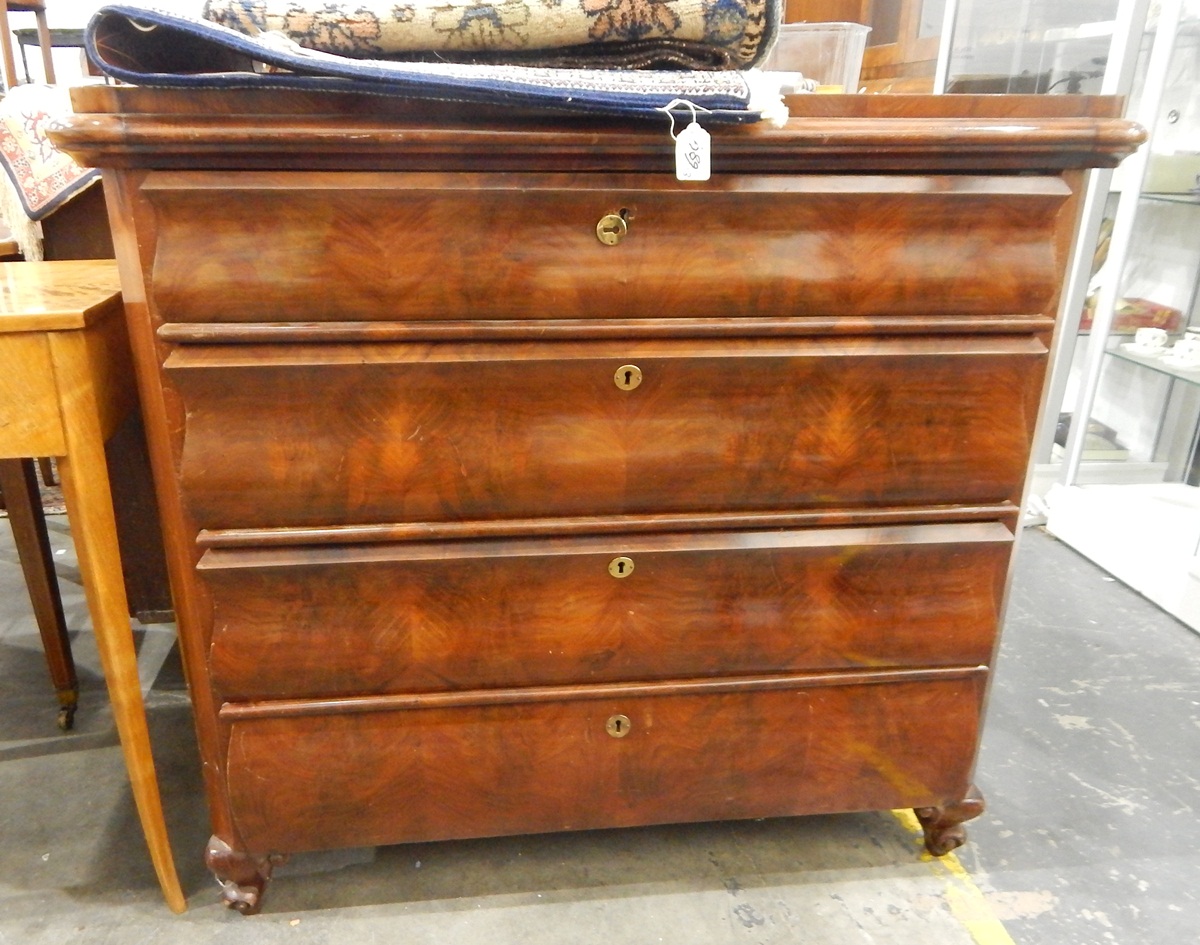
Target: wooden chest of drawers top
(123,126)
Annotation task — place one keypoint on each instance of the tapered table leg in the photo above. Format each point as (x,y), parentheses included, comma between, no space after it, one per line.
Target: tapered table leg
(19,485)
(10,64)
(45,43)
(85,485)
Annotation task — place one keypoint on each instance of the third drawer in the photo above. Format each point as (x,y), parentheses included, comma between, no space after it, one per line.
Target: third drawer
(404,617)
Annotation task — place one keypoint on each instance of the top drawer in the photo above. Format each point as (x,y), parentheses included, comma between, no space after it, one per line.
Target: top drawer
(307,246)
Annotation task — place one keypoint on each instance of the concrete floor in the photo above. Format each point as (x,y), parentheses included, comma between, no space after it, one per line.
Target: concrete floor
(1090,763)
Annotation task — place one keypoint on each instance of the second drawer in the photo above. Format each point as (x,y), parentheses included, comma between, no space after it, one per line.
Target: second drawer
(314,435)
(423,617)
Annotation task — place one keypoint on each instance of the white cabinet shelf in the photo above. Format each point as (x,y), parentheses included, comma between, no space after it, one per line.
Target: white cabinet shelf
(1148,408)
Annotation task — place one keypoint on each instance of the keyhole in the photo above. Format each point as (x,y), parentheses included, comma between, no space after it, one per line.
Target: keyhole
(620,567)
(628,376)
(611,229)
(618,726)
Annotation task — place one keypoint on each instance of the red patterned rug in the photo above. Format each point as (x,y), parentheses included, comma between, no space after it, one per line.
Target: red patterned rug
(43,177)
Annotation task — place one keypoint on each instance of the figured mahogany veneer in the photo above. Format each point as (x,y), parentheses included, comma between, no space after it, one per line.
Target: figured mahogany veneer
(437,246)
(442,572)
(391,433)
(692,753)
(434,616)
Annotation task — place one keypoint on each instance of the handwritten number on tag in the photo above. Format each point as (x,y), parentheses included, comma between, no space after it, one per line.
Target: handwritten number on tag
(693,151)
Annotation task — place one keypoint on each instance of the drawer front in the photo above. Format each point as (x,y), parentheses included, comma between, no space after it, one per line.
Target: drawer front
(299,783)
(311,435)
(299,247)
(314,623)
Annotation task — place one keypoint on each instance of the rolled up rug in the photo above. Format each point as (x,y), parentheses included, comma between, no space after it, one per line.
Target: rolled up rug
(682,34)
(277,45)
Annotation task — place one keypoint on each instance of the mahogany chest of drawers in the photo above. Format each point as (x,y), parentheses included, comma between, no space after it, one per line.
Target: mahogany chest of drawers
(482,524)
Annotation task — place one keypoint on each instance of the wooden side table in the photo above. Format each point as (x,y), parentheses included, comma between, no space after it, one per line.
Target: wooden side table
(68,38)
(38,9)
(22,497)
(66,385)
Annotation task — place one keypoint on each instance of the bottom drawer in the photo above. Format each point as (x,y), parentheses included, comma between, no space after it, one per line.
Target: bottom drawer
(544,760)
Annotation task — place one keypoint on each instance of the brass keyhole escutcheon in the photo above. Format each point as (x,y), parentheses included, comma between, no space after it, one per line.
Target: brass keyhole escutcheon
(611,229)
(628,376)
(618,726)
(620,567)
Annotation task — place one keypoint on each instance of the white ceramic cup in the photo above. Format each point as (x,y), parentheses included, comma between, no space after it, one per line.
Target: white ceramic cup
(1150,338)
(1187,349)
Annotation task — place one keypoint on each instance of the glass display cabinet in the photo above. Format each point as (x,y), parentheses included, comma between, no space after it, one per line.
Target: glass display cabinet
(1020,46)
(1127,489)
(1030,47)
(1122,487)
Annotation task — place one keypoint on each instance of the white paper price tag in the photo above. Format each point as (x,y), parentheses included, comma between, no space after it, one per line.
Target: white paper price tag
(693,153)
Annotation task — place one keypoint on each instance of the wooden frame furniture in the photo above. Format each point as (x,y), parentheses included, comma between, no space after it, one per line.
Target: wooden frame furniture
(482,520)
(67,384)
(908,62)
(897,58)
(22,498)
(58,38)
(38,9)
(78,229)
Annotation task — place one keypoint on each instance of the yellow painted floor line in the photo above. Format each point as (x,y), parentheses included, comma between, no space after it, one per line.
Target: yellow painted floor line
(967,902)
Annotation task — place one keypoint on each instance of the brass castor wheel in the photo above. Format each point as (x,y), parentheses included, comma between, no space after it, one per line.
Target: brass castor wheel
(66,718)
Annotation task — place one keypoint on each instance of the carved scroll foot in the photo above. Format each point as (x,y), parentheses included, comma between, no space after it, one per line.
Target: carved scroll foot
(943,826)
(241,876)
